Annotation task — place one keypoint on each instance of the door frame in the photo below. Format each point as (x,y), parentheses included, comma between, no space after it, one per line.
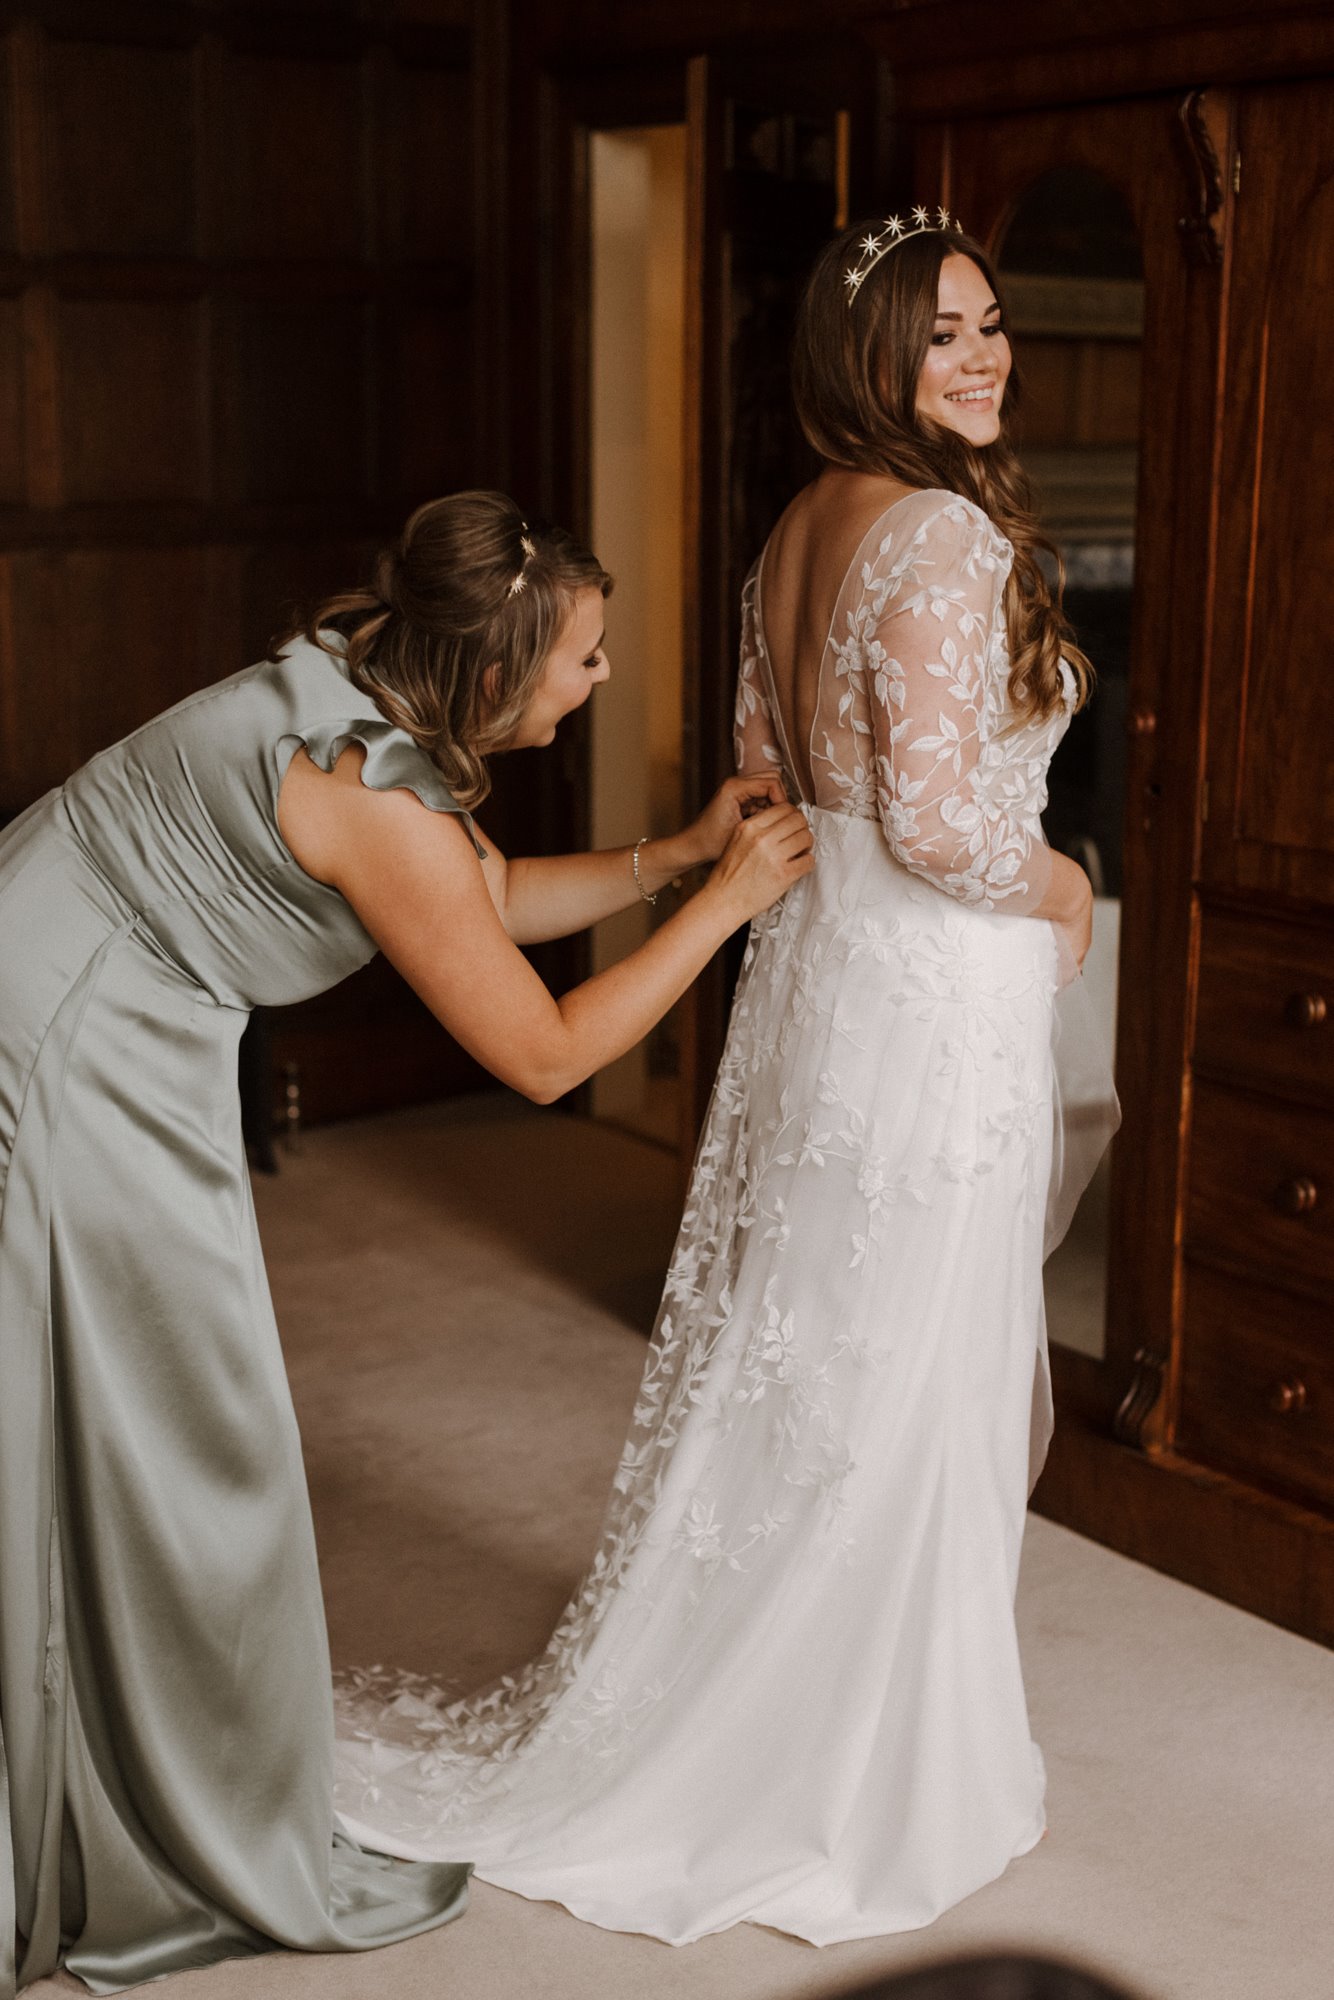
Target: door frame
(691,91)
(575,103)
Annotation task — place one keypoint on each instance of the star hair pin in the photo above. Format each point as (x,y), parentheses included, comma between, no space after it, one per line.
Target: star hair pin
(519,580)
(893,231)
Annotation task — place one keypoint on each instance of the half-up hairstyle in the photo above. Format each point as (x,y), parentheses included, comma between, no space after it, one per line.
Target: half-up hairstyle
(470,583)
(855,371)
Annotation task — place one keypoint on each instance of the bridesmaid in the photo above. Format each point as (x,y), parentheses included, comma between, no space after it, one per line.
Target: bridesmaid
(165,1712)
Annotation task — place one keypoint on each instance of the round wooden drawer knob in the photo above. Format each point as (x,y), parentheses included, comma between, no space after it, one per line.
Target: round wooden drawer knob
(1143,722)
(1287,1398)
(1299,1195)
(1307,1010)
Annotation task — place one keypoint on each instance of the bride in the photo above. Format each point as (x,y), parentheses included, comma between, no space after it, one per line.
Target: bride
(788,1690)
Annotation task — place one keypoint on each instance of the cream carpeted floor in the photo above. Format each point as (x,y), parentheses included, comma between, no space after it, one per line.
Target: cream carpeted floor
(463,1293)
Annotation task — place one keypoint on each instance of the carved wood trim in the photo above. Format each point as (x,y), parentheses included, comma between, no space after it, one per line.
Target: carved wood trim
(1202,226)
(1131,1423)
(1245,1546)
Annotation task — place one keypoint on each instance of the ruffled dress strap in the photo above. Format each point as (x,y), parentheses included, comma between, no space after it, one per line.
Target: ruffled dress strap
(393,761)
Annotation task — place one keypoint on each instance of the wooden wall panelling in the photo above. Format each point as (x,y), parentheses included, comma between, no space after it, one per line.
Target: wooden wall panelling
(9,235)
(13,484)
(236,345)
(132,396)
(428,385)
(41,419)
(9,686)
(13,449)
(119,138)
(429,165)
(282,579)
(131,632)
(293,141)
(507,118)
(25,75)
(91,641)
(37,715)
(428,332)
(298,397)
(223,641)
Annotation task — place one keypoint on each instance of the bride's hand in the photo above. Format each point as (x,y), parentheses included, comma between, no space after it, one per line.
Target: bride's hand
(705,838)
(767,853)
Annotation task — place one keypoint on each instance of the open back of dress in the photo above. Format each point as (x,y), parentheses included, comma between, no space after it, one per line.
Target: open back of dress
(903,712)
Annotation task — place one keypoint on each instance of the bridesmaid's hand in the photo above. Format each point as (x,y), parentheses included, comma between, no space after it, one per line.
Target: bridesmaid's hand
(767,853)
(734,801)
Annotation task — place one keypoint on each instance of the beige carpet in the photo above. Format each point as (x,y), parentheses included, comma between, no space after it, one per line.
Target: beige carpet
(462,1293)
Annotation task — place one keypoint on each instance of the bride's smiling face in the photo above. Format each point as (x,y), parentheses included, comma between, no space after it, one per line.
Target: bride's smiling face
(963,378)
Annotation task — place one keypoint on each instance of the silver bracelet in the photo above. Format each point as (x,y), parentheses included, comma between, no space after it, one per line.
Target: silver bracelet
(634,863)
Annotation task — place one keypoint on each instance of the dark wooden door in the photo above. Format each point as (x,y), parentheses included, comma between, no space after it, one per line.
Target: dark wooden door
(781,148)
(1166,162)
(1270,826)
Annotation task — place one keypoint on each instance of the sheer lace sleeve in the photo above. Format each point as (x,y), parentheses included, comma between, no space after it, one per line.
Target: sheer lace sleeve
(754,738)
(932,648)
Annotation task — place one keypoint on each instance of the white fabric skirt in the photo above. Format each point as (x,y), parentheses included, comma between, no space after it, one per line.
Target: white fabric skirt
(788,1691)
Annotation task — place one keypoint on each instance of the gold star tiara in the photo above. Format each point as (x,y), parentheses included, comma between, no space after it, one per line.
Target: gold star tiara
(893,231)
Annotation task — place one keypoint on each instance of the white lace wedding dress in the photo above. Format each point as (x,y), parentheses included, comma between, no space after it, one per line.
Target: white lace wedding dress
(788,1690)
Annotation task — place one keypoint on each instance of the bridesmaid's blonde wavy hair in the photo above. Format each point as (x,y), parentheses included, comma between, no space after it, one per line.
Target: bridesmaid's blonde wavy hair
(855,371)
(441,609)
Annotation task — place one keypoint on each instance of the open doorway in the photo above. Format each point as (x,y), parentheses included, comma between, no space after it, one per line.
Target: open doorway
(637,191)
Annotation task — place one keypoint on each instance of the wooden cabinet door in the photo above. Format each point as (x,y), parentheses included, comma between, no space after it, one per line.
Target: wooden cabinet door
(1255,1397)
(1270,826)
(781,147)
(1165,162)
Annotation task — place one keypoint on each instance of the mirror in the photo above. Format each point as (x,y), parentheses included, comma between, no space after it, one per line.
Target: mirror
(1073,281)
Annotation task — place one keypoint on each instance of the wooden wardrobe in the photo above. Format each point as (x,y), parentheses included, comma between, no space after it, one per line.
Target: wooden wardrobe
(1197,1434)
(1202,1438)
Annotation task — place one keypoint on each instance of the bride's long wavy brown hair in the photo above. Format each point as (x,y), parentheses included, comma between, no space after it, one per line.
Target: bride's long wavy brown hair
(441,642)
(855,371)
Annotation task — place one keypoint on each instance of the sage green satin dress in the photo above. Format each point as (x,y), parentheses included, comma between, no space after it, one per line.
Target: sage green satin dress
(165,1705)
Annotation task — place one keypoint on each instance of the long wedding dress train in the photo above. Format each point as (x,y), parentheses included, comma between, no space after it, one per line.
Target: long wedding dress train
(788,1690)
